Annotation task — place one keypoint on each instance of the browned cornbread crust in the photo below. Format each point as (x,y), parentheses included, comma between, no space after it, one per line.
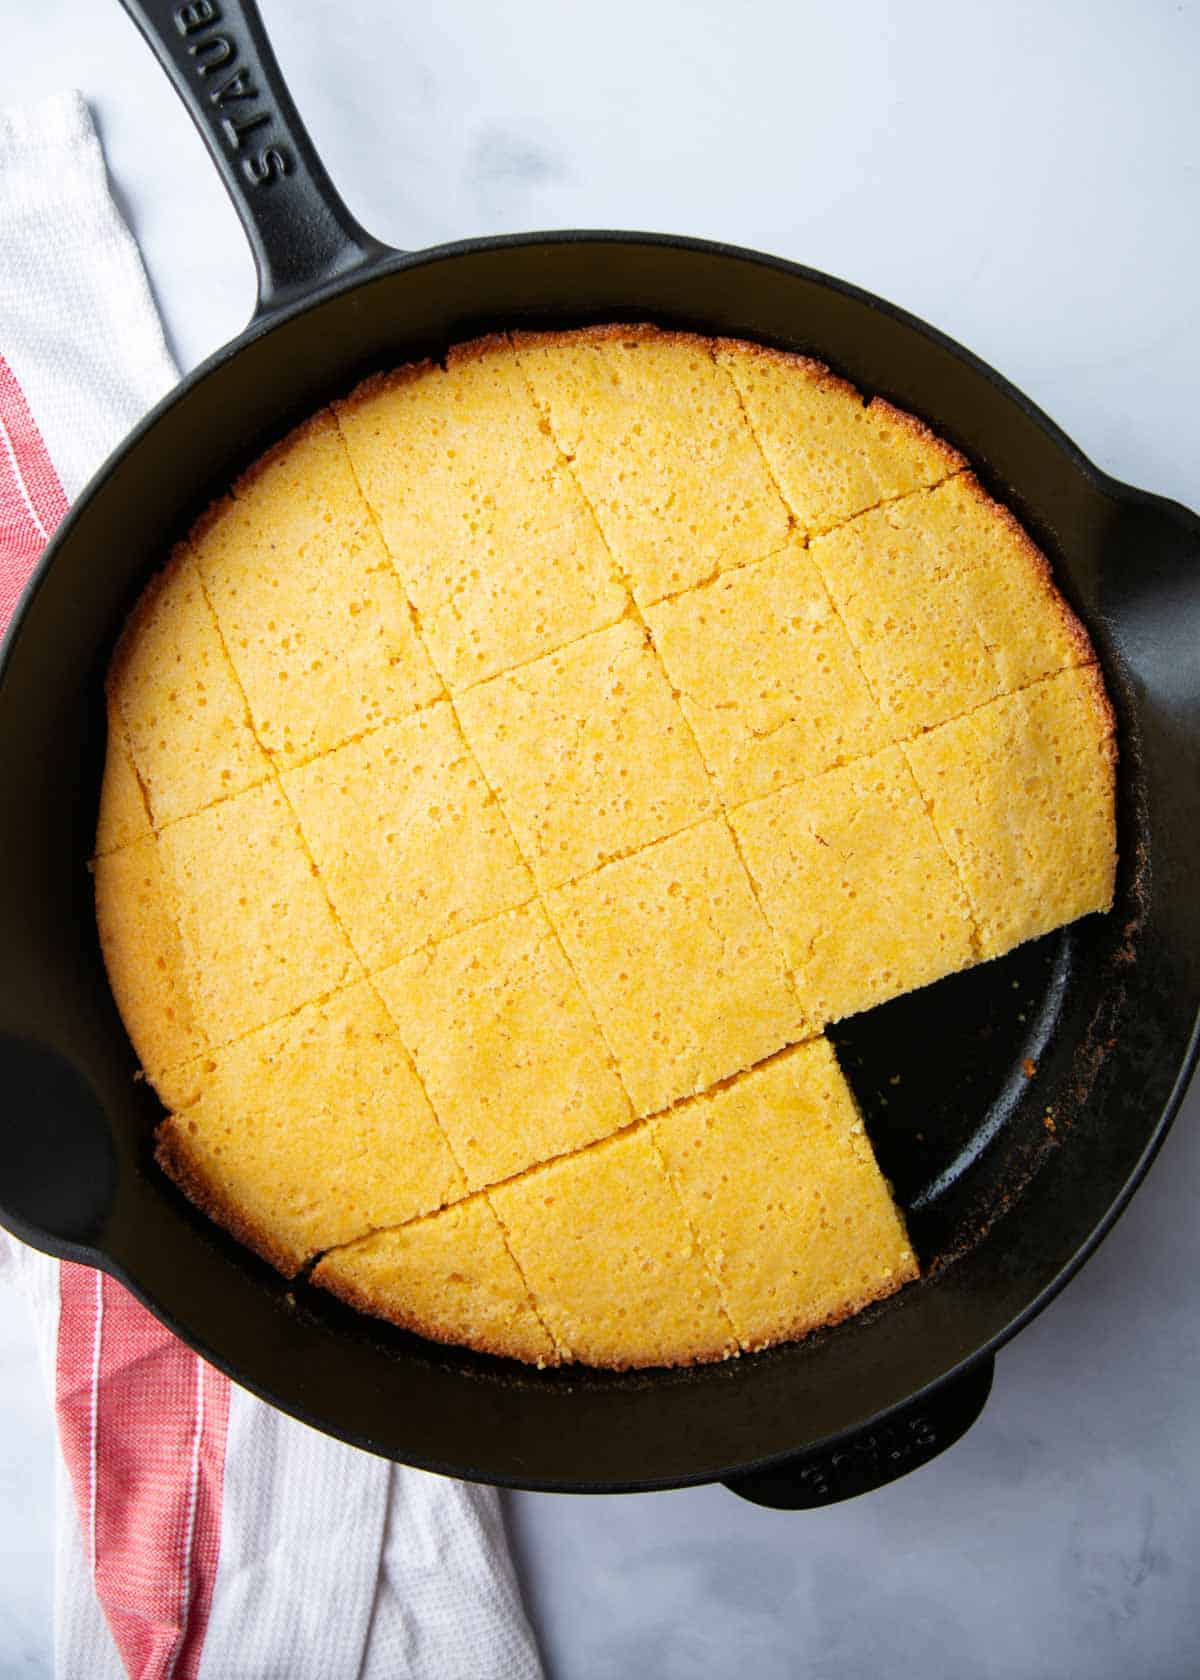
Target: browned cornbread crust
(553,536)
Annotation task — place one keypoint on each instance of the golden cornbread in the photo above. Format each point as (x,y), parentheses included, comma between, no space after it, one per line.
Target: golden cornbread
(317,627)
(832,454)
(406,836)
(311,1131)
(613,1268)
(766,675)
(485,526)
(123,817)
(1023,794)
(778,1179)
(506,1044)
(947,602)
(450,1278)
(856,885)
(657,438)
(185,719)
(508,778)
(238,879)
(679,964)
(563,744)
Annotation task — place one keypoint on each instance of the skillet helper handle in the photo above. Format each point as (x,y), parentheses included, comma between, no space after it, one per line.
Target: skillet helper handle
(905,1440)
(218,57)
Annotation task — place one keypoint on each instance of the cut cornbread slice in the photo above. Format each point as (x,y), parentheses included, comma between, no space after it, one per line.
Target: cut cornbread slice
(315,621)
(1023,793)
(856,885)
(766,675)
(779,1181)
(123,815)
(495,545)
(257,934)
(505,1044)
(449,1277)
(587,752)
(608,1255)
(142,953)
(409,843)
(658,440)
(311,1131)
(948,603)
(679,965)
(184,716)
(832,453)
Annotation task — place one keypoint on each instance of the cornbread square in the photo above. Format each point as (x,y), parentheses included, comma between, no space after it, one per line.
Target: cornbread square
(679,965)
(780,1184)
(496,547)
(409,842)
(832,453)
(311,1132)
(314,618)
(856,885)
(588,753)
(505,1045)
(658,440)
(766,675)
(184,716)
(257,934)
(140,941)
(449,1277)
(123,815)
(614,1270)
(948,603)
(1023,794)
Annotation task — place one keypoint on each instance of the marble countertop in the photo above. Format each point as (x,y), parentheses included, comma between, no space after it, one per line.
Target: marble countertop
(1026,177)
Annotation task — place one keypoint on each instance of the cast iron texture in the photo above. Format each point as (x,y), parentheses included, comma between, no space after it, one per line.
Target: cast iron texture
(1010,1179)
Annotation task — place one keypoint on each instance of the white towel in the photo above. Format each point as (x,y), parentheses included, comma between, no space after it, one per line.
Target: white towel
(200,1532)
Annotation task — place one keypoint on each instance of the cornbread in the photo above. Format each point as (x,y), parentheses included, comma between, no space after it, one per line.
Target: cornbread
(511,776)
(679,964)
(856,885)
(777,1177)
(506,1045)
(563,742)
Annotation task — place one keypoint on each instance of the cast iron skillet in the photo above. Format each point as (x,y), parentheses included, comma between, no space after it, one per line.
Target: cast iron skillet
(1011,1176)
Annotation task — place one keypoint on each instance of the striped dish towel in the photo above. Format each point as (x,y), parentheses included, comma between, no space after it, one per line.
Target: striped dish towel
(200,1532)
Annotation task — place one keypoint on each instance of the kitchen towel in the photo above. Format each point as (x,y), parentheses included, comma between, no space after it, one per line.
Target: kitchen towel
(200,1532)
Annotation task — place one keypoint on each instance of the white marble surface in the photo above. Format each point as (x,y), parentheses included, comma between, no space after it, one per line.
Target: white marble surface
(1026,176)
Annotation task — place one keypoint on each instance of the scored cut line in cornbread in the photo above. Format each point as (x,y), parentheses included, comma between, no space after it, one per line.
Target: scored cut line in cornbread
(409,841)
(587,752)
(831,452)
(449,1277)
(123,817)
(948,603)
(1023,795)
(314,619)
(506,1045)
(311,1131)
(184,715)
(658,441)
(778,1178)
(679,965)
(856,885)
(241,881)
(766,675)
(496,547)
(611,1262)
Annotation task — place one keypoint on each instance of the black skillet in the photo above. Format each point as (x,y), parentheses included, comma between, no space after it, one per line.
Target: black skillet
(1016,1107)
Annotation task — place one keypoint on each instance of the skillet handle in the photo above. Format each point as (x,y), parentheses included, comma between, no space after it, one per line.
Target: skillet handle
(218,57)
(903,1441)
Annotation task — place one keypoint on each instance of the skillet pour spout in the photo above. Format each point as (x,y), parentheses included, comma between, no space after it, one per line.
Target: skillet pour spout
(1002,1207)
